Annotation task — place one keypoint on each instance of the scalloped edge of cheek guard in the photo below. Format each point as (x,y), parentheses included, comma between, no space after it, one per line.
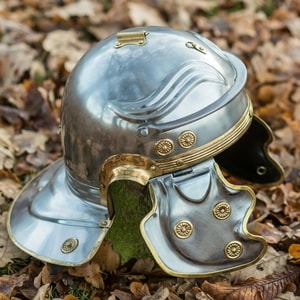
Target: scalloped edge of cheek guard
(198,223)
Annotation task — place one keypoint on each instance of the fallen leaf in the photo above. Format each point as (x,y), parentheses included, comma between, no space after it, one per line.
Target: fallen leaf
(255,289)
(91,273)
(271,234)
(30,141)
(15,60)
(42,291)
(161,294)
(9,283)
(121,295)
(272,262)
(108,259)
(80,8)
(143,266)
(294,250)
(143,14)
(8,250)
(67,45)
(3,297)
(139,290)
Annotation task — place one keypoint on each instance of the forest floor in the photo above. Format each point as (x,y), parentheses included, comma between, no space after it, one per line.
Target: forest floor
(41,41)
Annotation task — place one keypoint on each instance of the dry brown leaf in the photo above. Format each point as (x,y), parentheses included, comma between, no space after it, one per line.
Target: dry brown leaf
(121,295)
(91,273)
(3,297)
(161,294)
(70,297)
(271,234)
(42,291)
(30,141)
(15,60)
(9,188)
(80,8)
(143,14)
(294,251)
(8,250)
(139,290)
(9,283)
(107,258)
(272,262)
(252,289)
(6,148)
(143,266)
(67,45)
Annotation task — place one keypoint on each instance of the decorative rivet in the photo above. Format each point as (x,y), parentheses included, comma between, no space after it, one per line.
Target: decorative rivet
(183,229)
(153,168)
(69,245)
(143,132)
(187,139)
(233,249)
(164,147)
(222,210)
(179,162)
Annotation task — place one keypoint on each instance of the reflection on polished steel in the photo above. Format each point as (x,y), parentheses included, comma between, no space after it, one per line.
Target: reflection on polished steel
(164,108)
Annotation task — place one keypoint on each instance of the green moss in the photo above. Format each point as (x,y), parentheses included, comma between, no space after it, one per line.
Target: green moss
(131,203)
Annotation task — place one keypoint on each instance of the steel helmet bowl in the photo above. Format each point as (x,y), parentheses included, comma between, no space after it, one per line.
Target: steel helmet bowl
(164,108)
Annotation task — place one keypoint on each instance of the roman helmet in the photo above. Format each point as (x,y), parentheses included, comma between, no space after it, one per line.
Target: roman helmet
(167,109)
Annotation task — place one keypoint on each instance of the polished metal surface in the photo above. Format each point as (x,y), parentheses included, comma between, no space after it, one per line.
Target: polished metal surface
(141,99)
(153,105)
(51,223)
(186,235)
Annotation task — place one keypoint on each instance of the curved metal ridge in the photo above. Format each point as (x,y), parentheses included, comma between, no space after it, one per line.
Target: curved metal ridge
(211,149)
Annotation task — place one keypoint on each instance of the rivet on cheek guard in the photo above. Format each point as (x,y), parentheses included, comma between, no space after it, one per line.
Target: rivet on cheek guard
(168,110)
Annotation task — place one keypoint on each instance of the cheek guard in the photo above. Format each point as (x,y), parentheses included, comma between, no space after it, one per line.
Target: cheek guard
(167,109)
(198,224)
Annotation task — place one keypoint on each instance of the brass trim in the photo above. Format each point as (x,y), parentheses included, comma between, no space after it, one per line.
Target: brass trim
(183,229)
(233,249)
(131,38)
(222,210)
(139,168)
(210,149)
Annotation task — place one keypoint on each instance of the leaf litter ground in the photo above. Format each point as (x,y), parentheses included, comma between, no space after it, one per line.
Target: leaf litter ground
(41,41)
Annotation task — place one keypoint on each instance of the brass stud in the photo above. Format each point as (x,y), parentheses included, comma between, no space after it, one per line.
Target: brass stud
(222,210)
(187,139)
(69,245)
(233,249)
(183,229)
(164,147)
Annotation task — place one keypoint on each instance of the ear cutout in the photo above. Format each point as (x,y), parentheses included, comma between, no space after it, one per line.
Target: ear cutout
(249,159)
